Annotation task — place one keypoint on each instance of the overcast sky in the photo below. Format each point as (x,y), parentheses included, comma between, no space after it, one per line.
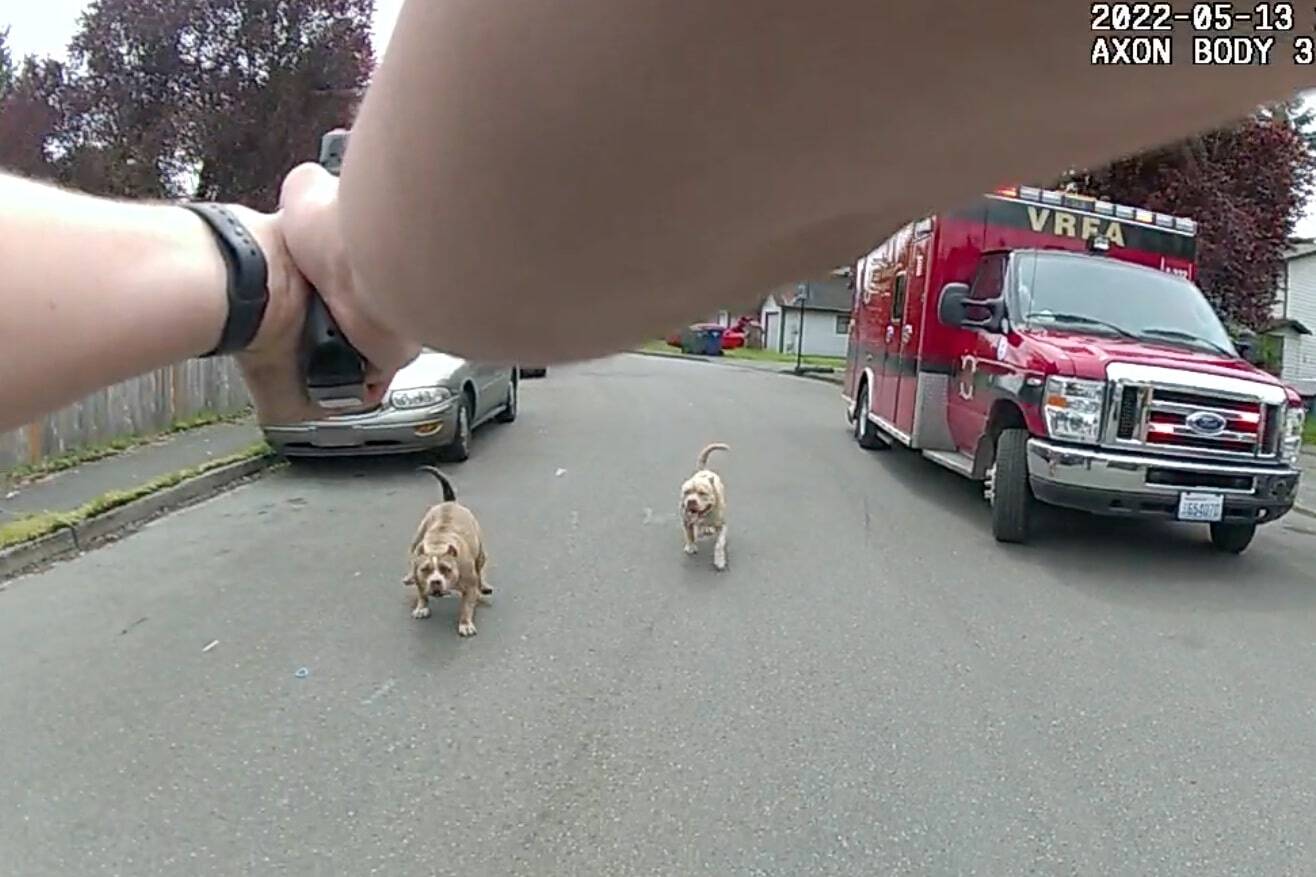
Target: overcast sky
(44,27)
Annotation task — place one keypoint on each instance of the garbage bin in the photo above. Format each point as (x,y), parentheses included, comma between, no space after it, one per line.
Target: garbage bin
(712,336)
(690,341)
(702,340)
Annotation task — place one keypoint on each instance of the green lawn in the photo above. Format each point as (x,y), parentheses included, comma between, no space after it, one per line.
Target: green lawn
(837,362)
(1309,431)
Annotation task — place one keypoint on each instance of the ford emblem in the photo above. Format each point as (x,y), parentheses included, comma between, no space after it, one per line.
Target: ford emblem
(1206,422)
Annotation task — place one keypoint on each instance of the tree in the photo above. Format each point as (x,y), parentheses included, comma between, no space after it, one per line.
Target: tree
(281,73)
(216,97)
(1246,185)
(29,113)
(6,64)
(1298,114)
(131,97)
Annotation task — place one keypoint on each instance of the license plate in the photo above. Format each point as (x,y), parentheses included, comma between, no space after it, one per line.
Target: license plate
(1201,507)
(335,437)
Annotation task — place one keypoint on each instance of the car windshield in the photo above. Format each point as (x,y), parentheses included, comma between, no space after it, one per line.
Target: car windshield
(1109,297)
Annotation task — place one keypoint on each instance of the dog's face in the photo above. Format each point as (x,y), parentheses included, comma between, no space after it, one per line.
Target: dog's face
(697,497)
(438,568)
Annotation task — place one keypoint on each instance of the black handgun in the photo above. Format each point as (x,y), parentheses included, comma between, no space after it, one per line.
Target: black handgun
(335,371)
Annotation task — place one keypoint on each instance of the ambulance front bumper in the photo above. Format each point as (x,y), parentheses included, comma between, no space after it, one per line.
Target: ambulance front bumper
(1146,485)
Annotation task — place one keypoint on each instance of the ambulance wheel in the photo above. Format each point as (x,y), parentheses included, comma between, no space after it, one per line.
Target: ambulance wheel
(1011,497)
(865,431)
(1232,538)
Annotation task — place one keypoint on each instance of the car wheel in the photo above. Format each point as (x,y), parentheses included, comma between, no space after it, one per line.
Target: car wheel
(1008,490)
(459,449)
(1232,538)
(508,414)
(865,431)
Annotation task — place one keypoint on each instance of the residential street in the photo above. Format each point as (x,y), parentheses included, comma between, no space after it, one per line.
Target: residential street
(874,686)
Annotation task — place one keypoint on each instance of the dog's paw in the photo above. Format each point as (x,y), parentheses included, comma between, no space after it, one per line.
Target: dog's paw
(420,612)
(719,563)
(691,548)
(466,628)
(485,589)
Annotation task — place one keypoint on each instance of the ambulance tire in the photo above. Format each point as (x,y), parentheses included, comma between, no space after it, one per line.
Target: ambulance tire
(1232,538)
(865,431)
(1012,498)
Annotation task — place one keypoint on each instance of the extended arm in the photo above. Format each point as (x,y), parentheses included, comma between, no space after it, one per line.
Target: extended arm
(534,181)
(97,291)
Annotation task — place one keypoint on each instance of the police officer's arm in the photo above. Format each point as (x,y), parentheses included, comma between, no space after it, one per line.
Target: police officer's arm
(534,180)
(94,291)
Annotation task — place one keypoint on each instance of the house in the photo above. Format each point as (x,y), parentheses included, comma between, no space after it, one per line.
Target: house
(1289,341)
(826,309)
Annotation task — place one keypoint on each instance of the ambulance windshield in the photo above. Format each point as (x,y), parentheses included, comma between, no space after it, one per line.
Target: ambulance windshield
(1101,295)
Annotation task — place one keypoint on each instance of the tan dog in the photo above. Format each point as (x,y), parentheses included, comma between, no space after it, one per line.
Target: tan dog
(447,557)
(704,507)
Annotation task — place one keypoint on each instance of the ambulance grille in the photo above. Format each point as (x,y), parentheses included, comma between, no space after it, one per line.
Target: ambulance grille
(1170,420)
(1128,416)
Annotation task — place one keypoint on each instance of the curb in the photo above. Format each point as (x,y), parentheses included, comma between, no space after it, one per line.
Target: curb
(707,360)
(825,377)
(28,556)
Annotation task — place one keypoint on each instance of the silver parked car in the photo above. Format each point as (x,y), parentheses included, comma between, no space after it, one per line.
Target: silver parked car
(433,404)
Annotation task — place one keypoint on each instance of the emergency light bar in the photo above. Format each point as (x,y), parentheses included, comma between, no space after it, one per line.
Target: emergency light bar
(1096,205)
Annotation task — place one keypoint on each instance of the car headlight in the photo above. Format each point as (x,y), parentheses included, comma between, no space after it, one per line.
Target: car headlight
(1291,441)
(1073,407)
(420,397)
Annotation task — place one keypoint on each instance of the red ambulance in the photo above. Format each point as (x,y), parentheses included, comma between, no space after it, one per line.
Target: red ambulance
(1056,348)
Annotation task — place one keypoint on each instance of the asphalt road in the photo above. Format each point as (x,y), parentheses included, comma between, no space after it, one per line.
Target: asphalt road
(874,687)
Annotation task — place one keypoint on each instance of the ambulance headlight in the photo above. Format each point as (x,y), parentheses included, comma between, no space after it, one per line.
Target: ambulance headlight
(1295,419)
(1073,408)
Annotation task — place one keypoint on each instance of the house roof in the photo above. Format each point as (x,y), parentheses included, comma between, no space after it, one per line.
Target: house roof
(1299,248)
(1296,326)
(830,294)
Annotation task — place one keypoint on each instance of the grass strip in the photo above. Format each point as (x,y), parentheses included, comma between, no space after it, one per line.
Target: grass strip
(749,354)
(34,526)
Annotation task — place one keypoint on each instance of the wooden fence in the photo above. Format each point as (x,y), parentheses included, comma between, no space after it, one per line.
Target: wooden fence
(141,406)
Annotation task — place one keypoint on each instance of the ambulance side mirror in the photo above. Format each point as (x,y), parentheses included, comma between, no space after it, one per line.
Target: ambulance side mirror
(1249,351)
(954,307)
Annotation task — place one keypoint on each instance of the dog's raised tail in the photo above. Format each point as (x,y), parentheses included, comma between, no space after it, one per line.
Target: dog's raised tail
(449,495)
(702,462)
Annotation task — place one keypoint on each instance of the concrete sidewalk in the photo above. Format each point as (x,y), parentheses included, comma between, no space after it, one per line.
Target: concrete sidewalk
(72,488)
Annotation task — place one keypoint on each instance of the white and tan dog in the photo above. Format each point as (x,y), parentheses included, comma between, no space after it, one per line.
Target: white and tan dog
(704,507)
(447,557)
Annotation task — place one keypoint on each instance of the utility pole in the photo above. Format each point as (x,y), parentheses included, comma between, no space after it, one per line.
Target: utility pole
(801,296)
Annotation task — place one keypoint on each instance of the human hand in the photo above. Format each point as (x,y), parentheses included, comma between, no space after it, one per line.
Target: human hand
(304,250)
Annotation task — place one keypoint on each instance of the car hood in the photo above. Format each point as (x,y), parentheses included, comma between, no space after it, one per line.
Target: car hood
(427,370)
(1088,356)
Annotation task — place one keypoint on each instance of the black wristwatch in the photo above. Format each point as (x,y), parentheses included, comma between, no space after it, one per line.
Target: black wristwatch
(248,276)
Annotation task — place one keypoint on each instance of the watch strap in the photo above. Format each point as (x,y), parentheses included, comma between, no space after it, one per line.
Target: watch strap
(248,289)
